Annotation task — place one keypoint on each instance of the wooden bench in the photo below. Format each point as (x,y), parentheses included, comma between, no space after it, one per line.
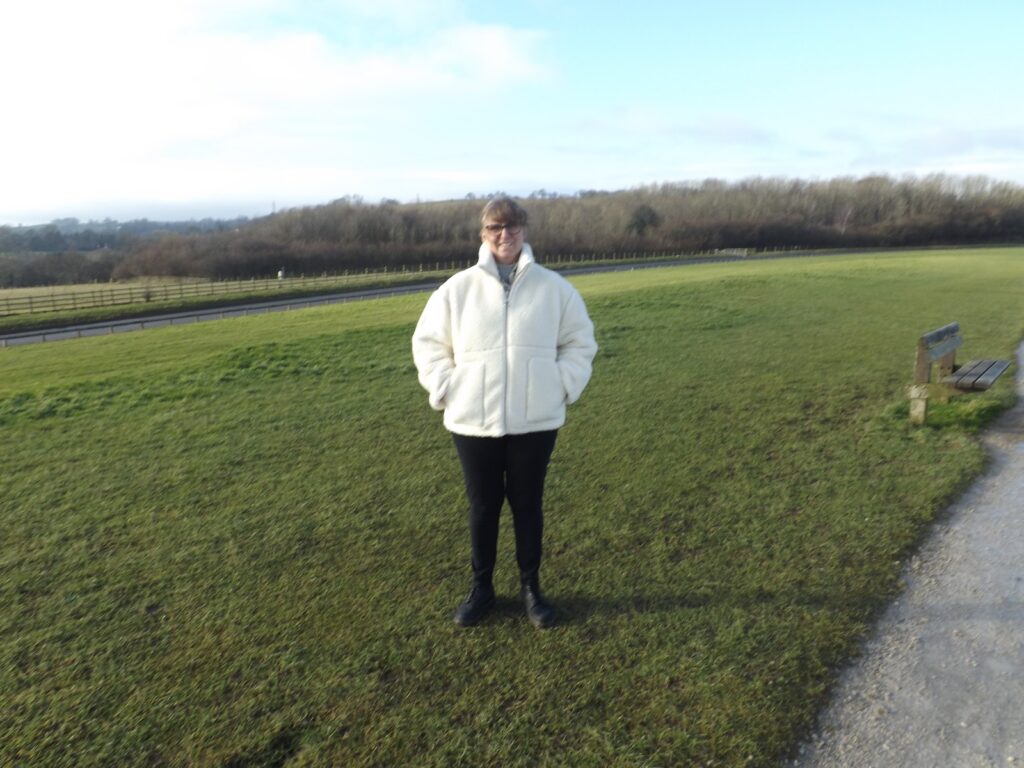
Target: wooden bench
(939,347)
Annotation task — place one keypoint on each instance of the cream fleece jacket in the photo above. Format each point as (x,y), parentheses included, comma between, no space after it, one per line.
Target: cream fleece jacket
(502,363)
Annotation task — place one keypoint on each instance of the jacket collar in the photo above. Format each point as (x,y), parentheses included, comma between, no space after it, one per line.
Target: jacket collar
(489,265)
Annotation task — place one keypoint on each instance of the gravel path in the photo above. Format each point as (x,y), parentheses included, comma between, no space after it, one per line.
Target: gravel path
(941,683)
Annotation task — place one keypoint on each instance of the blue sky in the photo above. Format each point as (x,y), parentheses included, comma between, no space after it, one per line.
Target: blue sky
(201,108)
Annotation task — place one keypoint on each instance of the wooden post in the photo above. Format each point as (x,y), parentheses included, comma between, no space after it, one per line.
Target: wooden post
(938,346)
(946,365)
(919,389)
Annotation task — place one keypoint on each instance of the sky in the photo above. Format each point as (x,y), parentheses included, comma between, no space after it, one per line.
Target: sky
(220,108)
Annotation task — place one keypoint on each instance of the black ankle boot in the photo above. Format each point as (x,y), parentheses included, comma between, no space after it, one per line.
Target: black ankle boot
(478,602)
(538,610)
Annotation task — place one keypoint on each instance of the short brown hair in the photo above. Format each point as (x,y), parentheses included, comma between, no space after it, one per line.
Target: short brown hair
(504,210)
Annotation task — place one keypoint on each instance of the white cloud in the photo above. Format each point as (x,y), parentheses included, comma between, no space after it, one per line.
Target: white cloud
(729,129)
(929,145)
(645,123)
(119,98)
(401,12)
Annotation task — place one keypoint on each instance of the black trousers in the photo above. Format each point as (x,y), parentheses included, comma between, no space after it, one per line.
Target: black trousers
(496,468)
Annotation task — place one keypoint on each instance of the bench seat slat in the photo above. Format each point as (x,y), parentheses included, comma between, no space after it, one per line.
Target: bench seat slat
(997,369)
(977,374)
(965,377)
(967,373)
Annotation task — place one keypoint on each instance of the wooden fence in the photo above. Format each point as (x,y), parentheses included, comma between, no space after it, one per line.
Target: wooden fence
(114,295)
(58,300)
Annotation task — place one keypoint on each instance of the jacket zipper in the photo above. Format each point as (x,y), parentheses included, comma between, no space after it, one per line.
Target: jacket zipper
(504,399)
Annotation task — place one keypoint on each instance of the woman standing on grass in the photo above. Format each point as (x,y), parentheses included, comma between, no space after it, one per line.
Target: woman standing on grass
(502,348)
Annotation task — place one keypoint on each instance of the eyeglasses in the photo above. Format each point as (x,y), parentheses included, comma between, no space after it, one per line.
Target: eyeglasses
(494,229)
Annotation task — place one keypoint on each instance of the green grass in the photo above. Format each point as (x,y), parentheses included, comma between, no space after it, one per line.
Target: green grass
(240,543)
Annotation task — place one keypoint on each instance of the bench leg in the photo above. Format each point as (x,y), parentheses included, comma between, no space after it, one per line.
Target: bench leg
(918,403)
(947,364)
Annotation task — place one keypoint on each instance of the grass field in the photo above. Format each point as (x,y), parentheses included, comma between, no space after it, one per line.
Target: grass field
(240,543)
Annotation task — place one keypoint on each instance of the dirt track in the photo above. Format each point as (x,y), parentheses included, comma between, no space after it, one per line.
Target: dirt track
(941,683)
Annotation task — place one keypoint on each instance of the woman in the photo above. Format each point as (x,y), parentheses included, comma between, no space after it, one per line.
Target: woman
(502,348)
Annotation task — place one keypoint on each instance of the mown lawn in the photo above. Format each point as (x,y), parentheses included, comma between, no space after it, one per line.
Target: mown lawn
(240,543)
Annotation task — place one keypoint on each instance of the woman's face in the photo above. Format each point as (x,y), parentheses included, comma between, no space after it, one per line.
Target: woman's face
(504,240)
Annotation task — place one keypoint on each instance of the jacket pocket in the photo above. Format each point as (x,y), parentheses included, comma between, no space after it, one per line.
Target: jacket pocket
(545,396)
(464,400)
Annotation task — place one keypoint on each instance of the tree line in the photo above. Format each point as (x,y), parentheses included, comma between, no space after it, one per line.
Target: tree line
(758,213)
(72,251)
